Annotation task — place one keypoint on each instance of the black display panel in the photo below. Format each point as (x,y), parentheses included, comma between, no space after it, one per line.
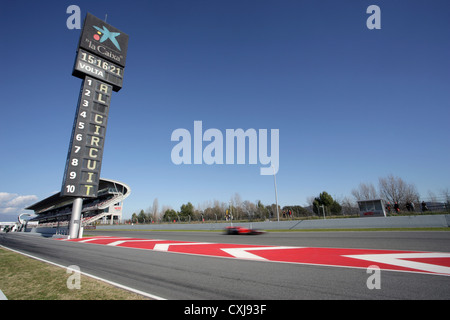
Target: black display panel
(104,40)
(87,63)
(84,159)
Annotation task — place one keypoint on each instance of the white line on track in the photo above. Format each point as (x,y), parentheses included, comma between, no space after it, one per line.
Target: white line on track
(148,295)
(397,259)
(116,243)
(93,239)
(165,246)
(242,253)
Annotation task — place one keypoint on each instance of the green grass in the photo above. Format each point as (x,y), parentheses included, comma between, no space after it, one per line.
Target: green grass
(24,278)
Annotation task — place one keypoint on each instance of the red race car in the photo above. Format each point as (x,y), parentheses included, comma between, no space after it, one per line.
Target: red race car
(242,230)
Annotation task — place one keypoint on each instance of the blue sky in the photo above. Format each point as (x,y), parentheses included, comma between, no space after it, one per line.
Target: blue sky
(351,104)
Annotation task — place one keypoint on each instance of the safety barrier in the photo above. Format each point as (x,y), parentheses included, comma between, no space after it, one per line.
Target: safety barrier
(422,221)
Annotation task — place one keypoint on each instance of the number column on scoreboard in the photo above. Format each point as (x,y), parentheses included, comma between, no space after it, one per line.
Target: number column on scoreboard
(83,165)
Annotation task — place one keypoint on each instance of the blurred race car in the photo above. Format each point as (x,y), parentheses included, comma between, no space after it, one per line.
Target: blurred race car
(242,230)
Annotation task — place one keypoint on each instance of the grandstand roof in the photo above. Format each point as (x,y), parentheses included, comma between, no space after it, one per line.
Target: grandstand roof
(57,200)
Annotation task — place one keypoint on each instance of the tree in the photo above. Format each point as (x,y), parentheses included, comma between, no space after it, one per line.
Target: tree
(155,208)
(272,210)
(142,217)
(395,190)
(335,207)
(187,210)
(446,195)
(249,209)
(324,199)
(261,210)
(365,192)
(349,207)
(236,204)
(170,215)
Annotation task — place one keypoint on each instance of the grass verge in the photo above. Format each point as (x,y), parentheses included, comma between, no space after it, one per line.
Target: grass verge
(24,278)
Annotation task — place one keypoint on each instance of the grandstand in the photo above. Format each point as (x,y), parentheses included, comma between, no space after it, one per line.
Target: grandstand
(56,210)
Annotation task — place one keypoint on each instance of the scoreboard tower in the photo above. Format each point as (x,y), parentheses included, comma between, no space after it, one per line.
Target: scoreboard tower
(100,63)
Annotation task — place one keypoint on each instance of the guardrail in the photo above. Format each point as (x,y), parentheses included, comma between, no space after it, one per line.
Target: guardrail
(417,221)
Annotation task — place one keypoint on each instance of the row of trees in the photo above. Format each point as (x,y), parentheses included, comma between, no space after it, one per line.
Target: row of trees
(391,189)
(235,209)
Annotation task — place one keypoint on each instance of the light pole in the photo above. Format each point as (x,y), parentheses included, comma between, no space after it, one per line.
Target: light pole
(323,210)
(276,194)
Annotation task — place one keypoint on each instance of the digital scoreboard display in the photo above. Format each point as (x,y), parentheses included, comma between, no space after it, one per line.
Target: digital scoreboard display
(84,159)
(95,66)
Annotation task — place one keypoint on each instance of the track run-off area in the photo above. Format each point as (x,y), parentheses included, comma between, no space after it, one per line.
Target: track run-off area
(192,265)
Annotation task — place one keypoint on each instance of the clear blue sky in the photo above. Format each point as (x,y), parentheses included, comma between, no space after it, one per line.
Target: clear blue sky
(351,104)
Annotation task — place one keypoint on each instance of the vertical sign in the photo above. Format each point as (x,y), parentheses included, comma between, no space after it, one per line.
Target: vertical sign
(100,62)
(84,158)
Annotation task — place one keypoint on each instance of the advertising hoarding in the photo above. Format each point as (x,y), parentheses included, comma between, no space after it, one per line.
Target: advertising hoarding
(104,40)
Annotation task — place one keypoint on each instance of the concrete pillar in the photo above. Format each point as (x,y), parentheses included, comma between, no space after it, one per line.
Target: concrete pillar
(75,219)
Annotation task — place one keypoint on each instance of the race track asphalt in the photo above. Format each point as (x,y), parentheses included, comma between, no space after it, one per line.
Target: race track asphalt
(181,276)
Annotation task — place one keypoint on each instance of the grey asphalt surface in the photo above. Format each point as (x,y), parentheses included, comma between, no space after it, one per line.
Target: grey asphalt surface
(180,276)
